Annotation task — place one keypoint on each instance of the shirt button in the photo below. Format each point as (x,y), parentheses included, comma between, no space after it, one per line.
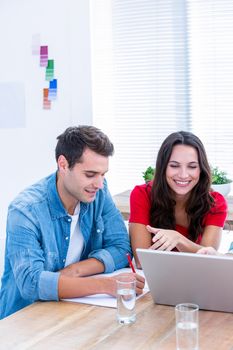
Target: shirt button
(69,219)
(67,237)
(98,230)
(64,260)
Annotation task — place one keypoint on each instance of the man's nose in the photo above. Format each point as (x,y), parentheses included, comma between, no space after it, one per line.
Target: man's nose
(99,182)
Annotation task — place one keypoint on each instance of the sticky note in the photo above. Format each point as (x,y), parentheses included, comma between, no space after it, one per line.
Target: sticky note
(43,56)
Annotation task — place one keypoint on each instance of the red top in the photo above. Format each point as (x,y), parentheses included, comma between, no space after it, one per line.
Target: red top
(140,204)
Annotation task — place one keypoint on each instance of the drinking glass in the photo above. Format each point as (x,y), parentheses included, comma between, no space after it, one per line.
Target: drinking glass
(126,299)
(187,327)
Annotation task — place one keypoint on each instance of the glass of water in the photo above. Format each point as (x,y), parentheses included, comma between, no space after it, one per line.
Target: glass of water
(187,337)
(126,299)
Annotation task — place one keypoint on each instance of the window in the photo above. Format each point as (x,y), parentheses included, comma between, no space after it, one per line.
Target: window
(211,77)
(159,67)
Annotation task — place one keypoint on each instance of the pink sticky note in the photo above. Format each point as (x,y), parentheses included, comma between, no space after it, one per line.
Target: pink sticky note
(43,56)
(44,50)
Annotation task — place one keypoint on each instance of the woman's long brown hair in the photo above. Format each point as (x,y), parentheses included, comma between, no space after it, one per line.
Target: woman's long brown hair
(162,213)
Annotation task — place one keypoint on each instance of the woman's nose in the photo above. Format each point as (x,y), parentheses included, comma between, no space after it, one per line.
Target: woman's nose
(183,172)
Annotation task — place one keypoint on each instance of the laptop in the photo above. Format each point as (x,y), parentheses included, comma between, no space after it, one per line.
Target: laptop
(175,277)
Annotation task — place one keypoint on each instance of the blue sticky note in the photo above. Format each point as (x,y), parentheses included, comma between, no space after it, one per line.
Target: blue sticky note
(52,90)
(53,84)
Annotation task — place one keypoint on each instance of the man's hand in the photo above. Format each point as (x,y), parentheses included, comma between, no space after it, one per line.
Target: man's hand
(140,282)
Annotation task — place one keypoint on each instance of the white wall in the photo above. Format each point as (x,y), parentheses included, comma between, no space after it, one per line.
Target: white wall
(27,154)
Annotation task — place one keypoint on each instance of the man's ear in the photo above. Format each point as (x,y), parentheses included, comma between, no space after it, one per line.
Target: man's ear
(62,164)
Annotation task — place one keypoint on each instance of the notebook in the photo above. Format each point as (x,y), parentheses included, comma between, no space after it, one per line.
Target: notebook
(175,277)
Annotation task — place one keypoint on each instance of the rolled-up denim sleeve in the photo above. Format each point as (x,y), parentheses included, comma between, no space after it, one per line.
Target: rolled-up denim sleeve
(48,285)
(106,258)
(115,238)
(27,258)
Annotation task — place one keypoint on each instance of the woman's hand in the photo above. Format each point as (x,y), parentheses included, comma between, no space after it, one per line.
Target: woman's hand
(208,251)
(164,239)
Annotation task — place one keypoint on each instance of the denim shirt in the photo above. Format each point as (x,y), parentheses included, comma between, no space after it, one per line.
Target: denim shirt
(38,234)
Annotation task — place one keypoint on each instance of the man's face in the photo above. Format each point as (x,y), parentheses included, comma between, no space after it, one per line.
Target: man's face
(81,183)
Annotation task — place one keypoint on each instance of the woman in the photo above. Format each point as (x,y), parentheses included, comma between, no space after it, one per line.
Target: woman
(177,210)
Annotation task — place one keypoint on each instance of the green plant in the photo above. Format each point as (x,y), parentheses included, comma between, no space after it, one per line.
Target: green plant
(219,177)
(148,174)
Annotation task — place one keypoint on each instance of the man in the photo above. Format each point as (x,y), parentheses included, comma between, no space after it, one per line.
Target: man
(64,228)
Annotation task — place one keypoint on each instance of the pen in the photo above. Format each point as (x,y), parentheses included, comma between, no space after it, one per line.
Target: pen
(130,262)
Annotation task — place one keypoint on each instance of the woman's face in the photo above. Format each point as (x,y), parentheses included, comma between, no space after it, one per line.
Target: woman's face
(183,170)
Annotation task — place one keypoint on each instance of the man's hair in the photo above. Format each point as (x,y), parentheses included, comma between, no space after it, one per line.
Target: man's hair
(76,139)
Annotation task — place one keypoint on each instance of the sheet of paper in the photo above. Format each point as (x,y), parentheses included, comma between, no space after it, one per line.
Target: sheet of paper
(105,299)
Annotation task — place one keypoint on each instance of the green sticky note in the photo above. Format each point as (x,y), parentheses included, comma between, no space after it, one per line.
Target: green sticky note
(50,64)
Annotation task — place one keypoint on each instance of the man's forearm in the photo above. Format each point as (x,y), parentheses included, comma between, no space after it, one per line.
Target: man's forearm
(74,287)
(84,268)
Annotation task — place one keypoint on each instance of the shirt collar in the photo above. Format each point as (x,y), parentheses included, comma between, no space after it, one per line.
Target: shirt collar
(55,204)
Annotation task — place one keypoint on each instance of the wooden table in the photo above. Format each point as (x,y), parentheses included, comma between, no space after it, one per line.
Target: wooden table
(67,326)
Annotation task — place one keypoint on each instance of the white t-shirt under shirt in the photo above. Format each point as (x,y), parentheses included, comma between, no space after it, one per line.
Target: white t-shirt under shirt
(76,239)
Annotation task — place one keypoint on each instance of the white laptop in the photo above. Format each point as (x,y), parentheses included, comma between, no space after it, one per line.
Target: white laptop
(175,277)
